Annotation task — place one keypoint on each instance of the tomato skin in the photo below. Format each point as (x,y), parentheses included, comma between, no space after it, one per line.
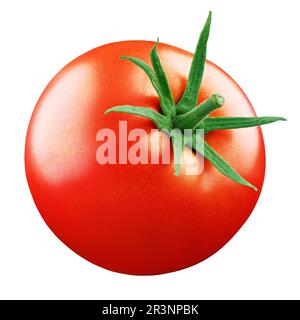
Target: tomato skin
(136,219)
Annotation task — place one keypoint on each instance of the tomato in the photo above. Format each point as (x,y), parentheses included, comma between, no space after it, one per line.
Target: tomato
(136,219)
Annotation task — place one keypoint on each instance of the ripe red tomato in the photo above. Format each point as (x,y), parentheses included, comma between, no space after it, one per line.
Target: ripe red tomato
(136,219)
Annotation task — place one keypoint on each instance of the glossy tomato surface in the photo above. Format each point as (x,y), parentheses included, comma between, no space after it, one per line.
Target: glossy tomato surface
(136,219)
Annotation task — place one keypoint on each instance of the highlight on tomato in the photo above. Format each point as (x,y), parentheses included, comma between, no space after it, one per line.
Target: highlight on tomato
(108,148)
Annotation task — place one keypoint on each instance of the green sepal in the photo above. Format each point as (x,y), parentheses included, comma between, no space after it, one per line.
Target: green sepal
(177,144)
(161,121)
(152,76)
(221,165)
(211,124)
(169,104)
(191,93)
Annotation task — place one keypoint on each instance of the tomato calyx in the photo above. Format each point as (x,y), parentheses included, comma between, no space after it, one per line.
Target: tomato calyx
(186,114)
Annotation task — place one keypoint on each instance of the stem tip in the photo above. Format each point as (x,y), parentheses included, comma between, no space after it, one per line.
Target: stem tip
(219,99)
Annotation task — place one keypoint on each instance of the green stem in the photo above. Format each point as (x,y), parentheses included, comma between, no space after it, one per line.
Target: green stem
(192,118)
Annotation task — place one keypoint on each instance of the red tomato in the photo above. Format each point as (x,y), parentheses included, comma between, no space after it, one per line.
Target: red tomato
(136,219)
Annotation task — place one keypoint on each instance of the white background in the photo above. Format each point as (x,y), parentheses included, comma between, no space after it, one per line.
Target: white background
(257,42)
